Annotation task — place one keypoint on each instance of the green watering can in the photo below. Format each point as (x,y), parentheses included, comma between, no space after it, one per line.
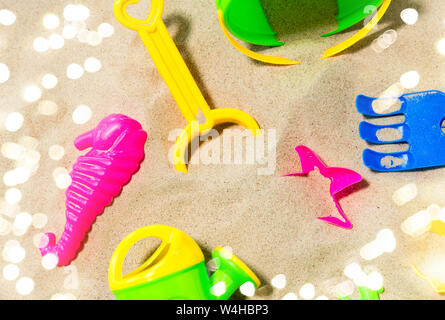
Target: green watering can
(177,270)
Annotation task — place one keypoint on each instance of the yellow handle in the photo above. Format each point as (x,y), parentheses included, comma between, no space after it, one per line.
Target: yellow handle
(359,35)
(117,260)
(177,76)
(177,252)
(167,58)
(149,24)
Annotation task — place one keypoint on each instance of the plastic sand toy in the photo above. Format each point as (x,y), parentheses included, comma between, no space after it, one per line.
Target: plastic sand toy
(179,80)
(176,270)
(422,130)
(340,179)
(430,220)
(366,294)
(246,20)
(117,149)
(437,284)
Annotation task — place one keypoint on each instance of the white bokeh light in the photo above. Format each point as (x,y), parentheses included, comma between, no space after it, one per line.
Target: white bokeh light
(83,35)
(44,241)
(69,12)
(39,220)
(82,114)
(92,64)
(105,30)
(74,71)
(5,226)
(23,221)
(4,73)
(63,181)
(58,171)
(63,296)
(82,13)
(346,288)
(51,21)
(218,289)
(69,31)
(227,252)
(386,240)
(307,291)
(14,121)
(79,25)
(290,296)
(14,253)
(36,239)
(371,251)
(417,224)
(22,175)
(374,281)
(50,261)
(248,289)
(49,81)
(56,152)
(405,194)
(47,107)
(24,286)
(279,281)
(13,151)
(410,79)
(409,16)
(11,272)
(7,17)
(352,270)
(9,178)
(94,38)
(41,44)
(13,196)
(32,93)
(56,41)
(441,46)
(29,142)
(76,12)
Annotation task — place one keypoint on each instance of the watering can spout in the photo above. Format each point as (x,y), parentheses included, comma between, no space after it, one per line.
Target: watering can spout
(231,274)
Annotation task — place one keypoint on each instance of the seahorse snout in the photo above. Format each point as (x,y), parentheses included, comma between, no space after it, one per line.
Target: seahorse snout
(47,243)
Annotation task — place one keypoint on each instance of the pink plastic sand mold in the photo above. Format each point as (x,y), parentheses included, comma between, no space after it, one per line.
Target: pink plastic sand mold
(341,179)
(117,149)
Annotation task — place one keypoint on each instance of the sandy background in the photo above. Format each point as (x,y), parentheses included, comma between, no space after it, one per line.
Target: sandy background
(270,222)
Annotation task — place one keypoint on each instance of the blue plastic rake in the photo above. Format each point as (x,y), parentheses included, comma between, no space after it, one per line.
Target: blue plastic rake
(422,130)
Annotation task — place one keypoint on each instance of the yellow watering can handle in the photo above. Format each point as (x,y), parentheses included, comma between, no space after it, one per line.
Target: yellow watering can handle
(163,233)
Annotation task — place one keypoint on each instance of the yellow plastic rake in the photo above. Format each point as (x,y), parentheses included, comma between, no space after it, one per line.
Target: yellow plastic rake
(179,80)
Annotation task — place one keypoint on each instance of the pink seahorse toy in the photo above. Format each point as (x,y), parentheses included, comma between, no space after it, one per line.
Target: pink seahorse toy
(117,149)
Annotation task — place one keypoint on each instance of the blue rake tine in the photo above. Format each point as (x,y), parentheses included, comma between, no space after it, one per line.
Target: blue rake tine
(387,162)
(364,106)
(368,132)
